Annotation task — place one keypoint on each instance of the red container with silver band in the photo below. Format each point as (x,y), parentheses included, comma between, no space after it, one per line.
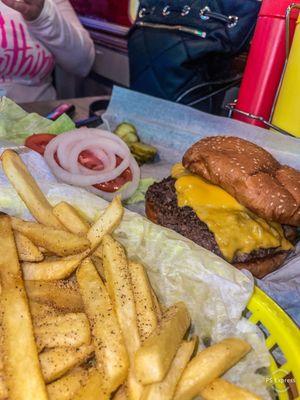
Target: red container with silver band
(265,62)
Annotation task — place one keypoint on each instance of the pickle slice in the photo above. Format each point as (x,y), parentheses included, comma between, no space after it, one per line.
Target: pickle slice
(127,132)
(143,152)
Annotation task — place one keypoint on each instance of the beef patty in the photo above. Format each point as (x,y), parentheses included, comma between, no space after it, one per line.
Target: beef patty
(162,208)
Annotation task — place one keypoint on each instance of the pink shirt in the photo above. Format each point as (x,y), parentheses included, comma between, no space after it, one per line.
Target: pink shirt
(29,50)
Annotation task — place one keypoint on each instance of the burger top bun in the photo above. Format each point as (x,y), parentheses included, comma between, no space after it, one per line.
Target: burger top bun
(250,174)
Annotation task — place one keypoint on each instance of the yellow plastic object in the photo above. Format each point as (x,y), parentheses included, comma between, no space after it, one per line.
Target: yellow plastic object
(133,7)
(283,342)
(286,114)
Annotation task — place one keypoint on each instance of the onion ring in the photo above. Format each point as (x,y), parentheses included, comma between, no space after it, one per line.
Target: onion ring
(62,156)
(107,146)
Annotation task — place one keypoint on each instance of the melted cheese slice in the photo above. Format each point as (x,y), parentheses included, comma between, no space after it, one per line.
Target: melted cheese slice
(236,229)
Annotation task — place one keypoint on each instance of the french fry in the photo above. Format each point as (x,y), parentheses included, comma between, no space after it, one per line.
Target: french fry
(119,287)
(66,387)
(208,365)
(107,222)
(60,294)
(27,251)
(110,351)
(146,314)
(71,219)
(3,387)
(51,270)
(98,252)
(166,388)
(28,190)
(21,364)
(1,345)
(57,241)
(92,389)
(121,394)
(154,358)
(220,389)
(40,311)
(69,330)
(156,305)
(58,361)
(44,251)
(98,265)
(63,321)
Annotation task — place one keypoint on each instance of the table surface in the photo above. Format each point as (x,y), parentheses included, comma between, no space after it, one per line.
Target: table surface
(45,107)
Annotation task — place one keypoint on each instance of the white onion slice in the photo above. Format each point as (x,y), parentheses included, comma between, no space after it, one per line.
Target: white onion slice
(109,147)
(81,179)
(103,145)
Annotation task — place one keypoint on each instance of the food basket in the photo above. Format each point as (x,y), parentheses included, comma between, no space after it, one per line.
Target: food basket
(283,341)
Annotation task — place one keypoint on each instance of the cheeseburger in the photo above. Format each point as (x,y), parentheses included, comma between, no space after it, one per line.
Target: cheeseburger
(233,198)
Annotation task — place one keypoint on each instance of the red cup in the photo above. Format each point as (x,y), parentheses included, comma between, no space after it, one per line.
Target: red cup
(265,62)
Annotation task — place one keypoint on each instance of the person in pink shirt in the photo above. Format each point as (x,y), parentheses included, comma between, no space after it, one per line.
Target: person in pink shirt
(34,36)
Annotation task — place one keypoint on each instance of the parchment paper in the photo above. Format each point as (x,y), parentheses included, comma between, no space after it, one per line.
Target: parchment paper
(173,128)
(215,292)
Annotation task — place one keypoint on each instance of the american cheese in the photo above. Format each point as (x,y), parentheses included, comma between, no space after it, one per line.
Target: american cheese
(236,229)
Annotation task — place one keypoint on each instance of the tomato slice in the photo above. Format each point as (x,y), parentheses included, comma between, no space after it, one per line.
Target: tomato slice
(89,160)
(116,184)
(39,142)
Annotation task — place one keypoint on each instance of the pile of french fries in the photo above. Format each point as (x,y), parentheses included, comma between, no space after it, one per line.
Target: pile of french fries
(81,321)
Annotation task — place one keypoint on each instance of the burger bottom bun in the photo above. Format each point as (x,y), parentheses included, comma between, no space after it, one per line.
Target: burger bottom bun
(264,266)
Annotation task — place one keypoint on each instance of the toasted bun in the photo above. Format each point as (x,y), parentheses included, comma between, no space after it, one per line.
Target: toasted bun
(250,174)
(261,268)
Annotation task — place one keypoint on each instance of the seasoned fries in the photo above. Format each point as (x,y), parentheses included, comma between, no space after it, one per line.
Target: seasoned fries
(107,338)
(166,388)
(56,362)
(51,270)
(156,306)
(26,249)
(92,389)
(40,311)
(3,388)
(119,287)
(223,390)
(57,241)
(63,331)
(60,294)
(71,219)
(154,358)
(21,364)
(121,394)
(92,326)
(28,190)
(99,266)
(209,365)
(107,222)
(66,387)
(145,309)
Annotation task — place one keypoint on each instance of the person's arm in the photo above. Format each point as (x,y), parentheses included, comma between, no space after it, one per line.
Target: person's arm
(59,29)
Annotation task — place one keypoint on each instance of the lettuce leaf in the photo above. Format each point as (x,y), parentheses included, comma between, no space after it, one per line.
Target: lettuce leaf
(139,195)
(16,124)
